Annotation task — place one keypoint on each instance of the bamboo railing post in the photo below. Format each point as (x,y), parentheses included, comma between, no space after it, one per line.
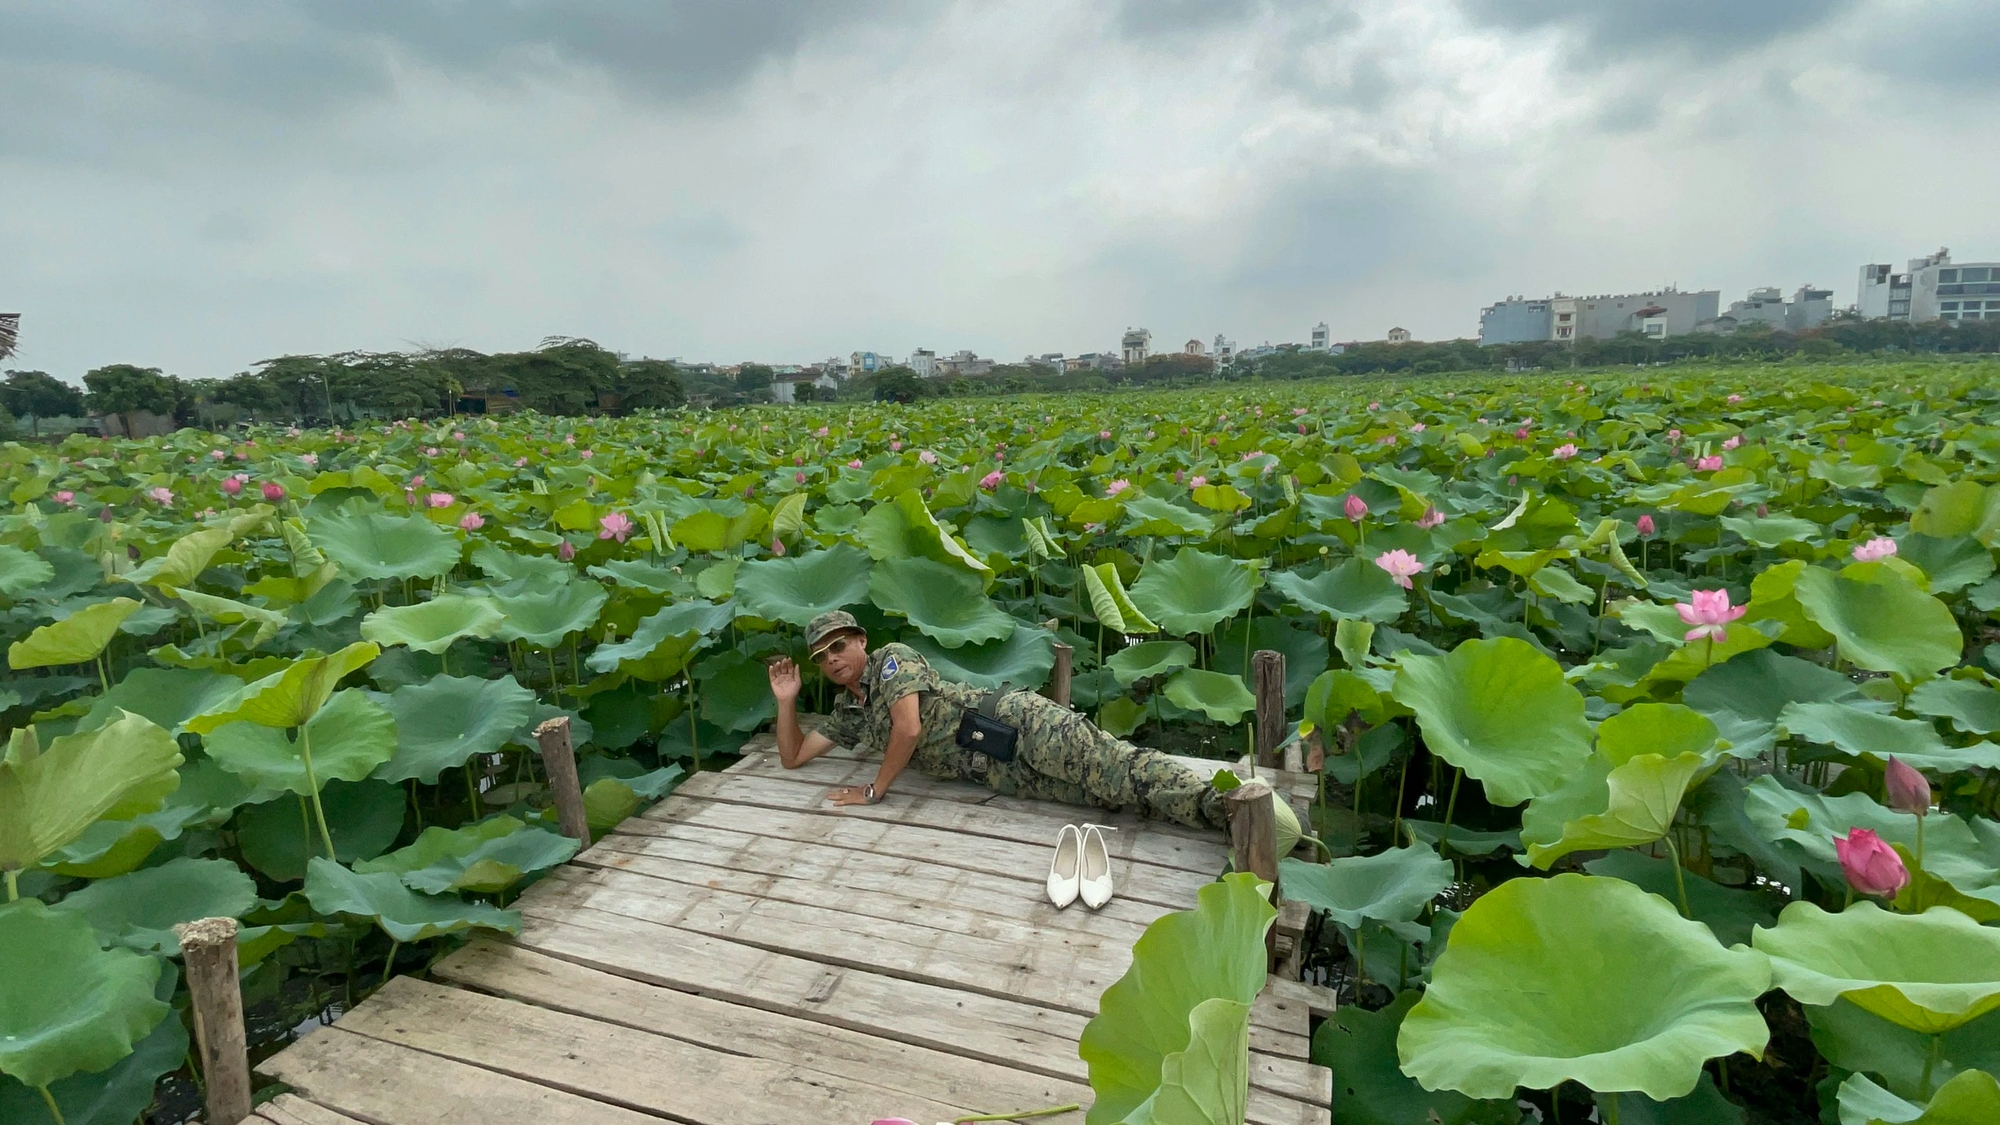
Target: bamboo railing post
(1059,679)
(1268,674)
(208,947)
(1253,841)
(559,759)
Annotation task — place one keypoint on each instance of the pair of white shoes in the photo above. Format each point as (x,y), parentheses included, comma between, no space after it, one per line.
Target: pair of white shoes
(1081,867)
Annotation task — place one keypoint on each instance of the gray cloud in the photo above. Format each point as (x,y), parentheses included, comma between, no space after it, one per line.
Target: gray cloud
(1615,28)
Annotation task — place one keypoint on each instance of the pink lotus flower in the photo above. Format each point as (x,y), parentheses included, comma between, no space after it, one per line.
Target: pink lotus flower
(1431,518)
(1875,550)
(1909,791)
(854,464)
(471,521)
(895,447)
(311,460)
(587,454)
(1116,487)
(1734,399)
(1522,433)
(927,457)
(1732,441)
(1647,527)
(231,486)
(821,432)
(1870,864)
(163,495)
(65,497)
(1710,613)
(1298,410)
(614,525)
(416,481)
(432,451)
(440,499)
(569,439)
(1302,427)
(273,491)
(217,454)
(1418,427)
(1708,464)
(566,551)
(1563,452)
(1401,565)
(1104,435)
(992,480)
(1198,482)
(520,462)
(1374,406)
(1355,507)
(458,435)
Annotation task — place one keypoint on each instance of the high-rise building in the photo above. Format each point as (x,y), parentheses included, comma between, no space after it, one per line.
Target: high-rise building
(1934,288)
(1321,336)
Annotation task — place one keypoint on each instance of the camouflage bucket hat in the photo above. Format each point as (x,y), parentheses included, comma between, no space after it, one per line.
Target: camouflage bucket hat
(827,625)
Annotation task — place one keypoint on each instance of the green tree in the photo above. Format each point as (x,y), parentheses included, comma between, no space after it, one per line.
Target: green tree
(753,377)
(124,390)
(649,383)
(897,384)
(39,395)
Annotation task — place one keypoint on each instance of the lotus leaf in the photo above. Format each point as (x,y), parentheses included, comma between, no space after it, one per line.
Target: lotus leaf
(1665,729)
(1392,886)
(1150,515)
(736,695)
(21,571)
(442,723)
(1194,591)
(505,566)
(661,645)
(1745,694)
(1950,564)
(1705,1106)
(402,913)
(363,817)
(1860,732)
(1584,979)
(76,639)
(1962,507)
(373,545)
(1502,712)
(117,1095)
(1359,1046)
(484,857)
(1971,706)
(1199,1085)
(946,603)
(228,611)
(1928,972)
(606,802)
(542,615)
(344,740)
(1853,1039)
(1881,621)
(167,696)
(49,797)
(1728,913)
(642,575)
(797,589)
(1023,660)
(140,910)
(81,1009)
(185,559)
(1970,1098)
(710,529)
(1305,652)
(904,528)
(1151,658)
(433,626)
(289,697)
(1218,695)
(1110,604)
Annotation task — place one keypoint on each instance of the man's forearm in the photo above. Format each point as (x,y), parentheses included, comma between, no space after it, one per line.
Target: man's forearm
(902,744)
(790,738)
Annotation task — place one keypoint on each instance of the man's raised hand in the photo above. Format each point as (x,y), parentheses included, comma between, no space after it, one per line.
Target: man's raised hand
(784,679)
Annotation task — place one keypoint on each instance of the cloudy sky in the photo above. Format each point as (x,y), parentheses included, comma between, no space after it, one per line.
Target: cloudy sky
(199,185)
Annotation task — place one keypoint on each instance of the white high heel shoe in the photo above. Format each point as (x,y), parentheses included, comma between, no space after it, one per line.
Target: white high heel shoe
(1065,866)
(1094,879)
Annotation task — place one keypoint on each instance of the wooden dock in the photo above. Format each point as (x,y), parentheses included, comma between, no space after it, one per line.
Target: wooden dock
(743,954)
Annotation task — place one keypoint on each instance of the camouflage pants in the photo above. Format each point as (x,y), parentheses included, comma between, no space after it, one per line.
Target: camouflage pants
(1063,756)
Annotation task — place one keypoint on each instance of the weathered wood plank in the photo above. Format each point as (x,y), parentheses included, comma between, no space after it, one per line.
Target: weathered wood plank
(290,1109)
(523,974)
(385,1084)
(621,1065)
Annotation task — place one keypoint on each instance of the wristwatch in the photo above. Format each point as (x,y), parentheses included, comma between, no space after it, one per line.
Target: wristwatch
(868,793)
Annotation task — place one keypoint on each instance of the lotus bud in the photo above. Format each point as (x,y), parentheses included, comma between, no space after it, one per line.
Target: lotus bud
(565,552)
(1909,790)
(273,491)
(1870,864)
(1647,527)
(1355,507)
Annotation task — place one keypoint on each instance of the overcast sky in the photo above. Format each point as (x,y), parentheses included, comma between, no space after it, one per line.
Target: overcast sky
(199,185)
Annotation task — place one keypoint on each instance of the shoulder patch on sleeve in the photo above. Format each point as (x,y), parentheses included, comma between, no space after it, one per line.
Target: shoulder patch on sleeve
(889,667)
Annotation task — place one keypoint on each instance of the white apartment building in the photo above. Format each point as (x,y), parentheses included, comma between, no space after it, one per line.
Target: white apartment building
(1933,288)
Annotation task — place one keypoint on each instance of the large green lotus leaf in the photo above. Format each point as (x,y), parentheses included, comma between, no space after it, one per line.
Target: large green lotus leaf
(904,528)
(48,797)
(228,611)
(1804,823)
(1881,621)
(1728,913)
(1853,1039)
(1705,1106)
(1150,515)
(1772,532)
(1024,659)
(1109,602)
(1929,972)
(76,639)
(1341,692)
(640,574)
(737,695)
(67,1006)
(1642,794)
(1305,652)
(1207,1083)
(1585,979)
(1391,886)
(1500,710)
(946,603)
(542,615)
(505,566)
(661,645)
(620,717)
(402,913)
(1971,1098)
(373,545)
(1215,951)
(485,858)
(442,723)
(364,817)
(289,697)
(1950,564)
(1962,507)
(1218,695)
(22,570)
(433,626)
(141,909)
(119,1094)
(1354,590)
(797,589)
(709,529)
(347,739)
(1194,591)
(1970,705)
(167,696)
(1369,1088)
(1859,732)
(207,797)
(1745,694)
(185,559)
(1665,729)
(1150,658)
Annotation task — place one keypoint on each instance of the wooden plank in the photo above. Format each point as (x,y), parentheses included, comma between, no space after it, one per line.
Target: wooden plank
(290,1109)
(621,1065)
(385,1084)
(1162,886)
(922,1073)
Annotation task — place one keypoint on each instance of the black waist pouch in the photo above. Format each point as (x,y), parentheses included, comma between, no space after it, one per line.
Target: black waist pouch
(979,730)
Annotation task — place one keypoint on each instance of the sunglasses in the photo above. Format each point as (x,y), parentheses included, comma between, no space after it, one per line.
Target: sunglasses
(834,649)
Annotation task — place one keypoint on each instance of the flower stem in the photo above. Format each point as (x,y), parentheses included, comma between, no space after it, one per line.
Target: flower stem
(1930,1064)
(1444,839)
(1019,1114)
(312,782)
(13,885)
(55,1111)
(1680,882)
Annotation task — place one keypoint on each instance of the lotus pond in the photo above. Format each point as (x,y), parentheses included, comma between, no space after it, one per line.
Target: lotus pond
(1652,709)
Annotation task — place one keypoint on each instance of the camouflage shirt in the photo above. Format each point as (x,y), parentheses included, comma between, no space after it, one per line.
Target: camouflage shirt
(894,671)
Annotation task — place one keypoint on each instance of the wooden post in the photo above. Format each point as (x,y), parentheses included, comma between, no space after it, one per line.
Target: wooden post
(1253,842)
(1059,679)
(1268,673)
(209,949)
(559,759)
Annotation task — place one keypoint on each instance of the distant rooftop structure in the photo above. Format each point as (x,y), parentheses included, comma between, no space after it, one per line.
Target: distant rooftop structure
(1659,313)
(1136,345)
